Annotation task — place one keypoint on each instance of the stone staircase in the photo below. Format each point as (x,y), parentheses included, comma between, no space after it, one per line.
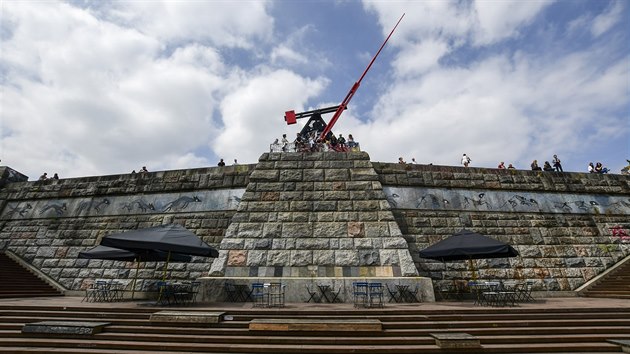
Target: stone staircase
(404,330)
(614,284)
(18,281)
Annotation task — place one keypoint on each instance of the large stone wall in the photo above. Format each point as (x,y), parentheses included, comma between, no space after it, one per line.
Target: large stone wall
(47,223)
(314,214)
(568,227)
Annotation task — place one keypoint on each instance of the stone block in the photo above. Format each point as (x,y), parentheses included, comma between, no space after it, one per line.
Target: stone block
(454,340)
(313,175)
(65,327)
(324,257)
(363,174)
(257,244)
(324,206)
(312,243)
(376,229)
(315,325)
(271,229)
(277,258)
(256,258)
(237,258)
(291,196)
(313,195)
(250,230)
(329,230)
(366,205)
(356,229)
(346,258)
(290,175)
(363,243)
(196,318)
(301,206)
(336,175)
(369,257)
(346,243)
(300,258)
(264,175)
(297,230)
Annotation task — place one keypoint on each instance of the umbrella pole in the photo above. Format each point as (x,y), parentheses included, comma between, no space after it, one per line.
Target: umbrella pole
(168,258)
(135,277)
(472,268)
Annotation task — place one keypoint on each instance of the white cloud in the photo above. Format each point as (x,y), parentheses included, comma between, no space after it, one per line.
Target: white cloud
(418,58)
(251,119)
(222,23)
(603,22)
(114,86)
(83,96)
(497,20)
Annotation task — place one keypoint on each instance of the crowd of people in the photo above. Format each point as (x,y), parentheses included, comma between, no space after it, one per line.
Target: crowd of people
(309,142)
(554,165)
(45,177)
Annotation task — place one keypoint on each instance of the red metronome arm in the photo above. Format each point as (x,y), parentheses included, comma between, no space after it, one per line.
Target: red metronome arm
(354,88)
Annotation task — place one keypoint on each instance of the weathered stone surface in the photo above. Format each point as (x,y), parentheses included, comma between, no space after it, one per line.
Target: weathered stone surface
(237,258)
(196,317)
(453,340)
(559,250)
(65,327)
(356,229)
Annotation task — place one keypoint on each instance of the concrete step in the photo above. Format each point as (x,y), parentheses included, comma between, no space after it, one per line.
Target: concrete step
(87,345)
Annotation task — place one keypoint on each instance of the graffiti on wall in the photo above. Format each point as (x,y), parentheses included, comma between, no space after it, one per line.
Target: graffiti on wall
(620,234)
(496,200)
(212,200)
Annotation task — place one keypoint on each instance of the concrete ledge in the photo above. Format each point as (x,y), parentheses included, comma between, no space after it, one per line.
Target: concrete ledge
(624,343)
(65,327)
(456,340)
(294,325)
(192,317)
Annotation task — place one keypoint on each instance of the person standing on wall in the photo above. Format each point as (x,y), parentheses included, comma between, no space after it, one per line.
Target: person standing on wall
(556,163)
(466,160)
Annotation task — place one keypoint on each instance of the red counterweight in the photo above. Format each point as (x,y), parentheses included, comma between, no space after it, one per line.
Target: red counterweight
(289,117)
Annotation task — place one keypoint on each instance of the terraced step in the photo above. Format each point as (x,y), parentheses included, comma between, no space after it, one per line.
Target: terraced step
(407,330)
(18,281)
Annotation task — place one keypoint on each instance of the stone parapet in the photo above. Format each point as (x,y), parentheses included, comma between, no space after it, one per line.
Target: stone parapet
(134,184)
(400,175)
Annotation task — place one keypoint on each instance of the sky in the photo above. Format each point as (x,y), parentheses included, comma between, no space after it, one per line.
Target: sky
(94,88)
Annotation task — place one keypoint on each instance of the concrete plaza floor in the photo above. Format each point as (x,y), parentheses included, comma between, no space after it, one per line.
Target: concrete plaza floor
(540,303)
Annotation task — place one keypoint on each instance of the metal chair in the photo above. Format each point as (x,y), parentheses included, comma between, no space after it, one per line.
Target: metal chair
(524,292)
(313,294)
(194,290)
(393,294)
(257,294)
(360,294)
(231,295)
(334,295)
(412,295)
(275,295)
(375,294)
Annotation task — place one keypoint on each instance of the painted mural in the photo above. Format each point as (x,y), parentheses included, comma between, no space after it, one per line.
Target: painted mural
(198,201)
(464,199)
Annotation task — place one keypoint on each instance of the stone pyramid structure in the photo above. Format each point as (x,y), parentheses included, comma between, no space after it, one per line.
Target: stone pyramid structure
(314,215)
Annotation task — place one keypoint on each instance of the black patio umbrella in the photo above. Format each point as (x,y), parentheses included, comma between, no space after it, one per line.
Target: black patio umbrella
(167,238)
(171,238)
(117,254)
(468,245)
